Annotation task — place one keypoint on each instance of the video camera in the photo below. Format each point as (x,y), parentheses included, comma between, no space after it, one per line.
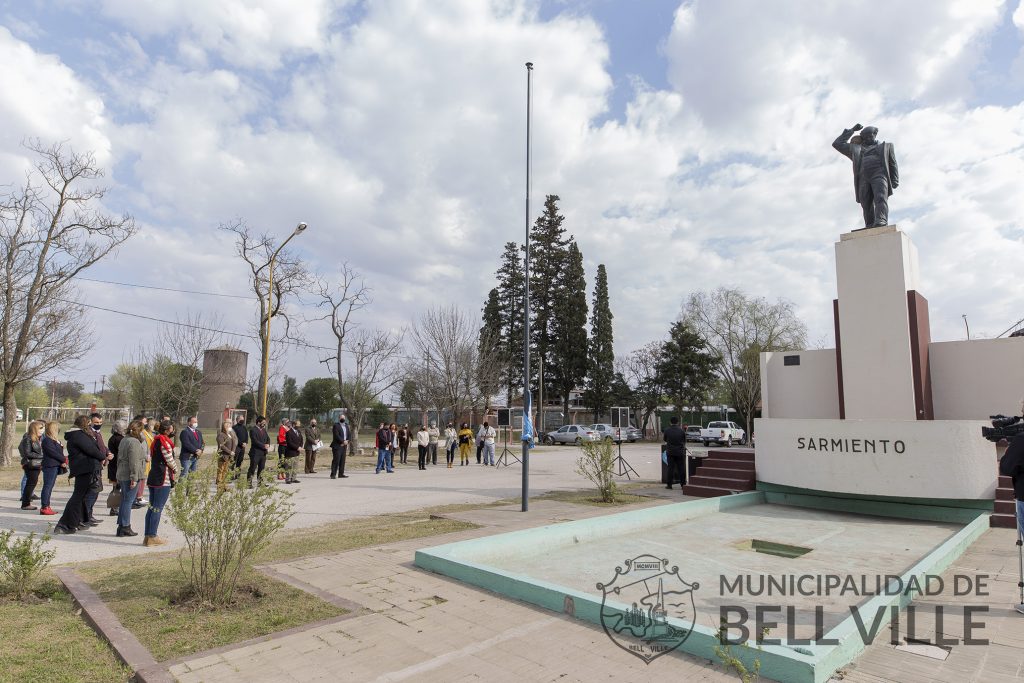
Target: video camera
(1003,427)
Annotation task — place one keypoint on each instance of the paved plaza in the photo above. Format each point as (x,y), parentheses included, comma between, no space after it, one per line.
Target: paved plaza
(408,624)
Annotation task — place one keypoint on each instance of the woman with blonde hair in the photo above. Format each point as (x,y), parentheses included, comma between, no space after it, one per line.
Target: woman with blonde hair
(54,462)
(227,441)
(31,450)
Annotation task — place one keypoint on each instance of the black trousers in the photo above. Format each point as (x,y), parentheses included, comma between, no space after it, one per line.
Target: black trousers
(874,200)
(423,456)
(403,452)
(32,478)
(479,449)
(257,461)
(338,454)
(676,464)
(239,457)
(72,516)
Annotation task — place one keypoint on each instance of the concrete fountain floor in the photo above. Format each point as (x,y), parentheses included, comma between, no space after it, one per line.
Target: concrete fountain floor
(706,545)
(709,548)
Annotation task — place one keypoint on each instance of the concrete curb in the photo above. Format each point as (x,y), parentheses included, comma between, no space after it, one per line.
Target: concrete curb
(126,646)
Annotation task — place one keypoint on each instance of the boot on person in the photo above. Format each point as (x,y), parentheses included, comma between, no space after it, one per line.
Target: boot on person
(126,531)
(150,541)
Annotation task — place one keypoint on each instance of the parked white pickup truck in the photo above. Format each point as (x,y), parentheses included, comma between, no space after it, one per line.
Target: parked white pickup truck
(726,433)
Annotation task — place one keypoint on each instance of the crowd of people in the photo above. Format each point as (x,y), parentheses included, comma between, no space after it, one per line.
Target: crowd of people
(144,453)
(391,439)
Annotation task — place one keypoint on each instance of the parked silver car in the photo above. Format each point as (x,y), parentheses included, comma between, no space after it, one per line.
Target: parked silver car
(607,431)
(575,434)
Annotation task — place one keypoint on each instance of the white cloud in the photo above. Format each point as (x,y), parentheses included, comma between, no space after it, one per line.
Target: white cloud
(400,140)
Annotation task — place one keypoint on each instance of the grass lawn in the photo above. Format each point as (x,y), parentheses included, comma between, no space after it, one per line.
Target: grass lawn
(141,592)
(591,497)
(47,642)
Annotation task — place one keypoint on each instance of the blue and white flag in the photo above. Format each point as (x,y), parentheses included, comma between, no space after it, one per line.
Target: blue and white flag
(528,424)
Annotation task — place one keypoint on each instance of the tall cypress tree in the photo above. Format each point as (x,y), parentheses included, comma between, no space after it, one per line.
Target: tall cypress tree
(490,349)
(569,341)
(548,261)
(511,292)
(601,350)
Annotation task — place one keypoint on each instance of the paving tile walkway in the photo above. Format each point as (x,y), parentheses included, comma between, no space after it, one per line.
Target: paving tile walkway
(419,626)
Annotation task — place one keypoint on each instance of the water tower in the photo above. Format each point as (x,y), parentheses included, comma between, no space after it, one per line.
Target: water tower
(224,370)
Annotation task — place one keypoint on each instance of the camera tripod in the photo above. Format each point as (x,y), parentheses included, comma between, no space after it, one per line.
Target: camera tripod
(506,452)
(1020,582)
(623,468)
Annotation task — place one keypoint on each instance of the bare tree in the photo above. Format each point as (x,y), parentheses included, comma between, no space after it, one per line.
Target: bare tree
(290,278)
(377,370)
(51,229)
(641,372)
(739,328)
(180,349)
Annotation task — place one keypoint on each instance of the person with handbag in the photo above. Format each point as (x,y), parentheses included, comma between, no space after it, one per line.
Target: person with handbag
(163,474)
(31,451)
(84,458)
(312,445)
(117,431)
(54,463)
(227,442)
(131,467)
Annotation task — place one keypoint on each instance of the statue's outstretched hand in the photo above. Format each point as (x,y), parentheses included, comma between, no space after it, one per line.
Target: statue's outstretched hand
(856,127)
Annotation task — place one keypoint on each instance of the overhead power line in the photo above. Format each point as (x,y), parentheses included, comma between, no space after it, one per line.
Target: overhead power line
(168,289)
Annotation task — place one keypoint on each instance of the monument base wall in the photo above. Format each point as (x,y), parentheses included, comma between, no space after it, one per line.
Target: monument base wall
(906,459)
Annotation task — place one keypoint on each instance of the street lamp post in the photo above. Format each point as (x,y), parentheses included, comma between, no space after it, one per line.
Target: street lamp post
(270,302)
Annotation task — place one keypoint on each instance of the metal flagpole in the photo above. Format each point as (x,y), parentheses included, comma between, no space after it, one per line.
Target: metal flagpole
(526,300)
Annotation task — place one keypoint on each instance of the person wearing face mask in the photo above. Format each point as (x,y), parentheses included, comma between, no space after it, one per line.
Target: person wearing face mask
(259,441)
(84,459)
(192,445)
(311,445)
(96,487)
(434,434)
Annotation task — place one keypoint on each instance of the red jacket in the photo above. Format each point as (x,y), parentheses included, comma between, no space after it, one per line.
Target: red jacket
(282,435)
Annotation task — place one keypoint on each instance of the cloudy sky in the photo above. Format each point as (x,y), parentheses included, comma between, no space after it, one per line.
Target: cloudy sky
(689,142)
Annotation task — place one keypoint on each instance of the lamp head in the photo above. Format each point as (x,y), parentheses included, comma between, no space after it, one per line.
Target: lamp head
(300,227)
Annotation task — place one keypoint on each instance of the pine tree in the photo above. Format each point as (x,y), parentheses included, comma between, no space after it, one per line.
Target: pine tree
(548,261)
(511,292)
(490,350)
(569,342)
(601,350)
(686,369)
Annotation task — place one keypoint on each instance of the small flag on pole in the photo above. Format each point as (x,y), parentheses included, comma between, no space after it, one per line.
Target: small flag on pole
(527,424)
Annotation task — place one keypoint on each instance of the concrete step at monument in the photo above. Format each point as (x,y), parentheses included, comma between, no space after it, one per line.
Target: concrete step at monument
(1005,482)
(999,520)
(723,482)
(705,491)
(723,463)
(732,453)
(1004,493)
(1003,507)
(729,472)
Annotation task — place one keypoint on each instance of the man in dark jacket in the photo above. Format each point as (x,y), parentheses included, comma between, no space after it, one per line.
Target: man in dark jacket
(259,440)
(243,438)
(311,444)
(292,448)
(191,441)
(1012,465)
(339,448)
(96,487)
(84,461)
(675,449)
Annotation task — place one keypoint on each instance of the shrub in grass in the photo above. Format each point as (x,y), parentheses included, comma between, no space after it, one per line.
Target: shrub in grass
(224,531)
(22,559)
(597,463)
